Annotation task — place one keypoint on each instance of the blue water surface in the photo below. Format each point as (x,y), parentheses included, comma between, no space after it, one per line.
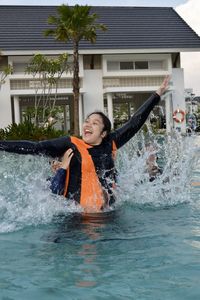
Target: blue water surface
(147,248)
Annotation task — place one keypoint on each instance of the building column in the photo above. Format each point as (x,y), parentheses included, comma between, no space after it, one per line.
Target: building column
(5,104)
(80,113)
(16,109)
(168,112)
(110,108)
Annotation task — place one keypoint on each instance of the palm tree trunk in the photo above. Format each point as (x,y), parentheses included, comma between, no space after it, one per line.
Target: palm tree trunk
(76,88)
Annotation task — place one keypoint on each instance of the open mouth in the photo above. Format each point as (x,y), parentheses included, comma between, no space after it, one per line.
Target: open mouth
(87,132)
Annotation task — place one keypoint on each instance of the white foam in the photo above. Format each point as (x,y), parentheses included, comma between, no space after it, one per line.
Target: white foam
(25,199)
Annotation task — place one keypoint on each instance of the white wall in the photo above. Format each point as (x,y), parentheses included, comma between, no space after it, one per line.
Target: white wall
(5,105)
(93,87)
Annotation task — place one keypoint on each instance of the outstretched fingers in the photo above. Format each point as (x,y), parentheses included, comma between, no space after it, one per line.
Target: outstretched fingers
(164,85)
(67,158)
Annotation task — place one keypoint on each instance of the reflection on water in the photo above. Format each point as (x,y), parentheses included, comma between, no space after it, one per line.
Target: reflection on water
(85,232)
(91,226)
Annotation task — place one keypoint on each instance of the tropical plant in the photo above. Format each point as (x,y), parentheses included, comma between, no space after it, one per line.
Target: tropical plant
(4,73)
(75,24)
(46,73)
(28,131)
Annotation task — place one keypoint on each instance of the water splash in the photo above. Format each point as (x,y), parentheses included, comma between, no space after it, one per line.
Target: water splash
(195,176)
(26,200)
(175,154)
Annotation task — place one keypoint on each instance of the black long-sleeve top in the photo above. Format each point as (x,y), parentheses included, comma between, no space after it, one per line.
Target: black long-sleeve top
(101,154)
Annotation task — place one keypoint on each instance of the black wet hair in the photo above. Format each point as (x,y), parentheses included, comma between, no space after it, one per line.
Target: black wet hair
(105,119)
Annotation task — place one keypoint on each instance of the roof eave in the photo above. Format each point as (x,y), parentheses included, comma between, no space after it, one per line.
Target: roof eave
(100,51)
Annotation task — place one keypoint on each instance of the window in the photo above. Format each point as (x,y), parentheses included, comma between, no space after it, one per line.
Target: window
(3,62)
(126,65)
(141,65)
(92,62)
(136,65)
(19,67)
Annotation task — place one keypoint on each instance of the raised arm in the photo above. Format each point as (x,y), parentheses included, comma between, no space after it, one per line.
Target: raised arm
(130,128)
(55,147)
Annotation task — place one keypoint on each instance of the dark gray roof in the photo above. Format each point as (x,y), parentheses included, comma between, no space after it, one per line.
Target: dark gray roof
(22,27)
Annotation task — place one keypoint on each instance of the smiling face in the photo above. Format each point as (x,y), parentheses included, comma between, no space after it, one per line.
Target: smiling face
(93,130)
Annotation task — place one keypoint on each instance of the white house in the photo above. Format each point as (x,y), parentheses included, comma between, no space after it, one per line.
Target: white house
(117,73)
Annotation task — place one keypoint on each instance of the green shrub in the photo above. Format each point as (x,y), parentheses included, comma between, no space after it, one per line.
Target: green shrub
(28,131)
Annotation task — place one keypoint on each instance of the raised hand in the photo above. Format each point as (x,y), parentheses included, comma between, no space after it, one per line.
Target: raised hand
(67,158)
(164,86)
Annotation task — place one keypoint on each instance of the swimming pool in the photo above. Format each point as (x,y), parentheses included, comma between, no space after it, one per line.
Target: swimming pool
(148,248)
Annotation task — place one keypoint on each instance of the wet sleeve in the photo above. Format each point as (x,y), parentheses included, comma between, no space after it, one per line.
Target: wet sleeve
(54,147)
(58,182)
(130,128)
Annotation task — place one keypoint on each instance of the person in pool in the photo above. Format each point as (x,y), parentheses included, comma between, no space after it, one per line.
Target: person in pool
(151,162)
(91,176)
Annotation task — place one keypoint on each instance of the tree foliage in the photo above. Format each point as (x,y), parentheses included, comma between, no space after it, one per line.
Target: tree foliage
(74,24)
(28,131)
(46,73)
(4,73)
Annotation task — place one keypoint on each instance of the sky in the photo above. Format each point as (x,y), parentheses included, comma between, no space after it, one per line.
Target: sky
(189,10)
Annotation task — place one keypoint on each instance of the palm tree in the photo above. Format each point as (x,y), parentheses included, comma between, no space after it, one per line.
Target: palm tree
(75,24)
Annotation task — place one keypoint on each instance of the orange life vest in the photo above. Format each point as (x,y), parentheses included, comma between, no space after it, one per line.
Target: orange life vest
(91,196)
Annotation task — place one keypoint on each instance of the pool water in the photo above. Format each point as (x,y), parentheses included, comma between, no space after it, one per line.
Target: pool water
(147,248)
